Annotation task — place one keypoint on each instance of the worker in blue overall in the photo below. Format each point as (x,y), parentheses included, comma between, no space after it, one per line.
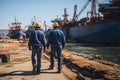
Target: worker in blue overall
(36,41)
(56,39)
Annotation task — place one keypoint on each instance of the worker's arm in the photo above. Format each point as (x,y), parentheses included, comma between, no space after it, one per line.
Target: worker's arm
(44,41)
(30,42)
(49,40)
(63,40)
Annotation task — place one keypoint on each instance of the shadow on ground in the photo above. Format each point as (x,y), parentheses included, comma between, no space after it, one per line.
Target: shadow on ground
(26,73)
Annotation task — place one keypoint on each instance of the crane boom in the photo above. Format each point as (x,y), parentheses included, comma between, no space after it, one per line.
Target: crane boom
(83,9)
(75,13)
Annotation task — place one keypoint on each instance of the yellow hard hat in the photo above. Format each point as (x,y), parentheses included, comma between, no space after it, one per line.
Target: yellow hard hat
(55,24)
(37,25)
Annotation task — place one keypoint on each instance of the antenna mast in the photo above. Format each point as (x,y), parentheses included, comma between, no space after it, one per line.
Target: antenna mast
(93,8)
(65,16)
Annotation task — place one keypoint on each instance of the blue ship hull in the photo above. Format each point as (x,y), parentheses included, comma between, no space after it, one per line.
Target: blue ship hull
(16,34)
(108,32)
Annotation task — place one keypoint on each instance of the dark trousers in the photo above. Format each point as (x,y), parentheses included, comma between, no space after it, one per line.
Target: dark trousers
(58,50)
(36,51)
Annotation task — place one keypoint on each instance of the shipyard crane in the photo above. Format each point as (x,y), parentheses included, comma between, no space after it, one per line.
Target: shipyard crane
(75,13)
(82,9)
(93,8)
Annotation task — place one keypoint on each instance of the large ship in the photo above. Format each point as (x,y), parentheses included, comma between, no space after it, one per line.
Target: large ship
(15,31)
(103,28)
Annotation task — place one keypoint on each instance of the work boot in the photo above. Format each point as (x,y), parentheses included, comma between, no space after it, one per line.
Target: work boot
(34,69)
(59,71)
(51,68)
(38,71)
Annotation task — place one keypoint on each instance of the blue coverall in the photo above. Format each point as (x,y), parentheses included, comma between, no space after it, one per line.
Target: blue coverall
(57,41)
(37,40)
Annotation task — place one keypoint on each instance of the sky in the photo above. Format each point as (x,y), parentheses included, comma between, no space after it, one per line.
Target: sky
(43,10)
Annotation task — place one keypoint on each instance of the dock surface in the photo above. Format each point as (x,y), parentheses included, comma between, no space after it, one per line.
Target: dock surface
(20,68)
(75,67)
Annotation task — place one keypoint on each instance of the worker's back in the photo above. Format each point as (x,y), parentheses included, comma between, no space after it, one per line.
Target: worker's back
(56,36)
(37,38)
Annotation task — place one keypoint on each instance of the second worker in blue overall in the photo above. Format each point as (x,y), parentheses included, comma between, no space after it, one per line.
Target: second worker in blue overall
(56,39)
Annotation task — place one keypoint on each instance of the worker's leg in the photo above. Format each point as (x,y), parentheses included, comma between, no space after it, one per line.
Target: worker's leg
(59,53)
(52,56)
(39,59)
(33,59)
(33,56)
